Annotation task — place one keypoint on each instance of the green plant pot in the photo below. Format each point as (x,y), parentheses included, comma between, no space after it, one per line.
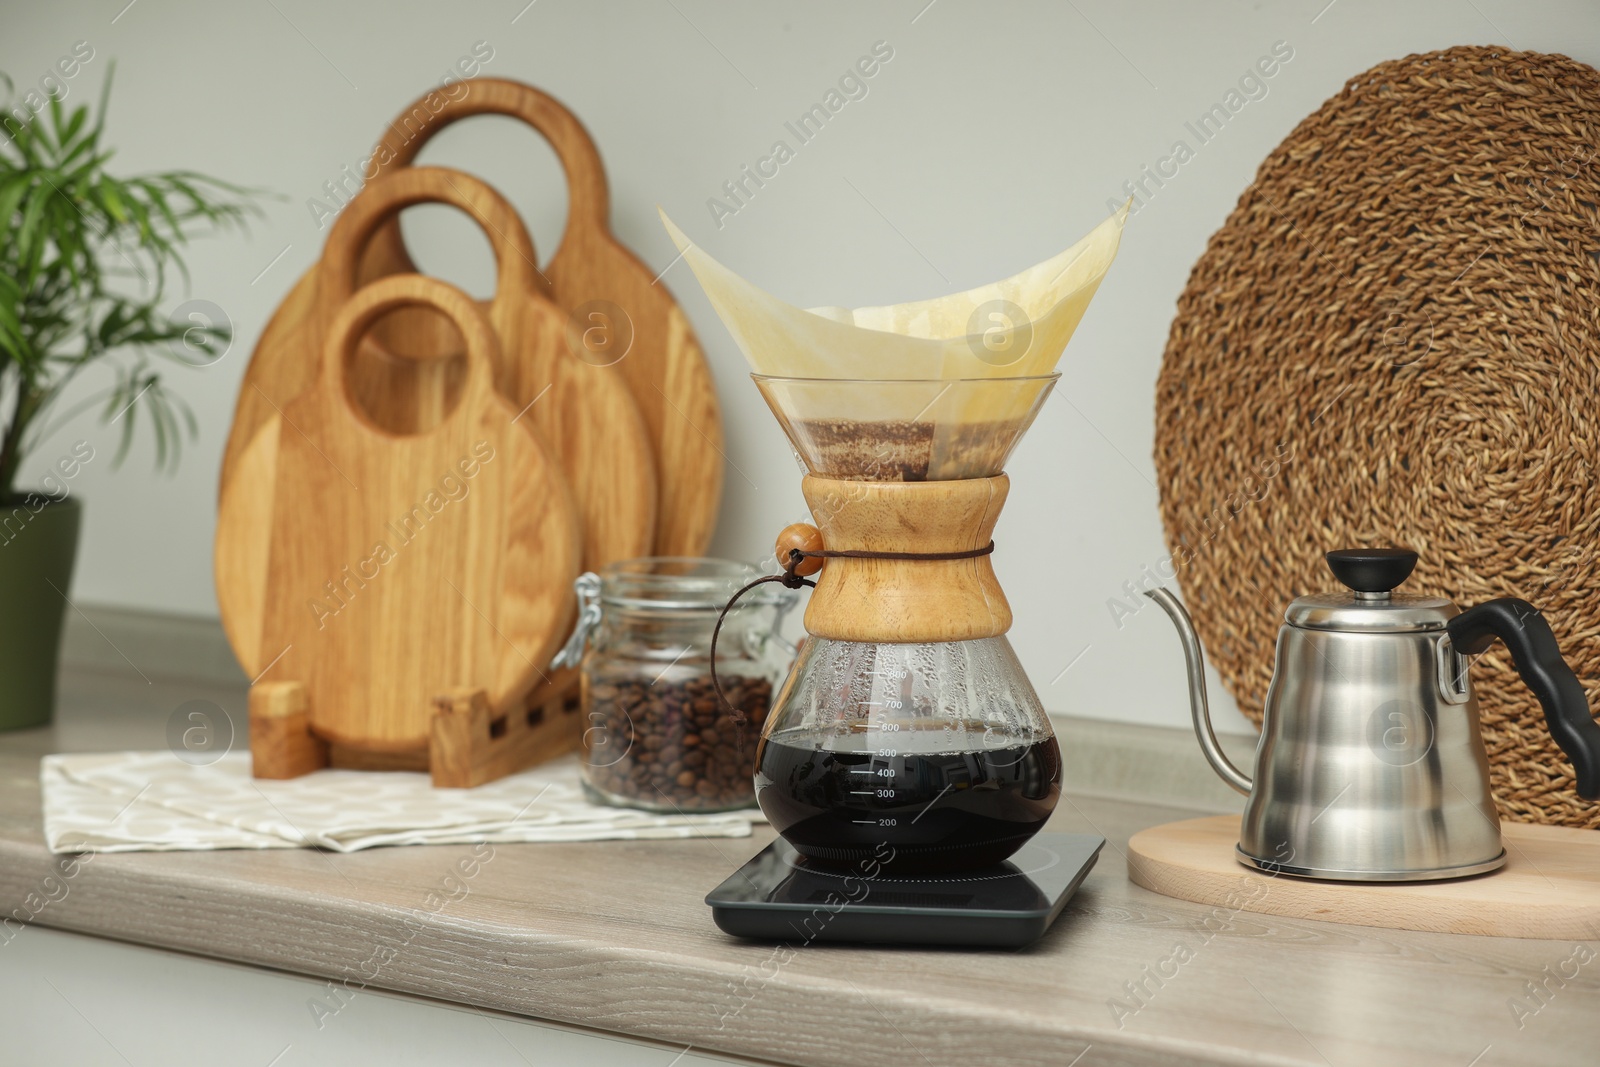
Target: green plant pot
(38,546)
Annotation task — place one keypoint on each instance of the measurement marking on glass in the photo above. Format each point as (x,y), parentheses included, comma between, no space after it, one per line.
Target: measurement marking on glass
(863,792)
(932,802)
(865,822)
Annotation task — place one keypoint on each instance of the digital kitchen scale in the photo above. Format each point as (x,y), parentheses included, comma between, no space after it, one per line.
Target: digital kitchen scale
(781,896)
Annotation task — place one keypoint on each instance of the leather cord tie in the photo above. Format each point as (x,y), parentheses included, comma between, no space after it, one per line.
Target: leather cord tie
(790,580)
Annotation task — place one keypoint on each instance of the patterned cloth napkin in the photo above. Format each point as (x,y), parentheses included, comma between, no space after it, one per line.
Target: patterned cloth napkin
(154,802)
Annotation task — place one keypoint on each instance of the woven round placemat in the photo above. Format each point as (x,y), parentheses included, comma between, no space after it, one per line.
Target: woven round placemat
(1395,339)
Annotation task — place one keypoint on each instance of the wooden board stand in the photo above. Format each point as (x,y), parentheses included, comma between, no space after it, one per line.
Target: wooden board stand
(468,745)
(1549,887)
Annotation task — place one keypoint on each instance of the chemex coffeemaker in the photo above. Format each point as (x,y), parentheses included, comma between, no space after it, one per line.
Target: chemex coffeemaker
(906,730)
(1371,767)
(907,736)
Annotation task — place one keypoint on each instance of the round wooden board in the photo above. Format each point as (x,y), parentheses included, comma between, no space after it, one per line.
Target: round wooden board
(1549,887)
(607,290)
(385,570)
(588,419)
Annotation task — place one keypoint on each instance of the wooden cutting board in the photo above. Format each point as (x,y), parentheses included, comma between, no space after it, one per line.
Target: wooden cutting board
(381,570)
(1549,887)
(619,310)
(586,416)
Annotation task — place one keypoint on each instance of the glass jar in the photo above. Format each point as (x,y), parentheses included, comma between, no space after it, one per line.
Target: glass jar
(657,737)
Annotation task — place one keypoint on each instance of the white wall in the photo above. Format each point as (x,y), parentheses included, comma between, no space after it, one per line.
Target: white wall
(991,140)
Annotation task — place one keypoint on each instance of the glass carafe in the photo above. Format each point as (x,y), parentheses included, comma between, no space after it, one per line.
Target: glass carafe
(928,755)
(907,735)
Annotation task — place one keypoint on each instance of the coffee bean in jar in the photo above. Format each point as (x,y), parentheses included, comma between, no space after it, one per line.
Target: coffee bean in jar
(671,744)
(656,735)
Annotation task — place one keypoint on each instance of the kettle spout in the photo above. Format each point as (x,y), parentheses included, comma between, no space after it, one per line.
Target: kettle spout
(1199,707)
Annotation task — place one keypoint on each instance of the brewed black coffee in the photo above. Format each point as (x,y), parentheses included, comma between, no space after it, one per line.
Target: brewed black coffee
(909,799)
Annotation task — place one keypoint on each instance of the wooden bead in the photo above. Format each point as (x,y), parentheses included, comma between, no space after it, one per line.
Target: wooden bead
(806,538)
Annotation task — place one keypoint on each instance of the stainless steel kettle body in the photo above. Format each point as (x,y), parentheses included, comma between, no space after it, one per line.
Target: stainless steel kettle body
(1371,765)
(1368,767)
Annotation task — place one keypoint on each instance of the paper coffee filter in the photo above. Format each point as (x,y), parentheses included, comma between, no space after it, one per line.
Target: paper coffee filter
(1011,328)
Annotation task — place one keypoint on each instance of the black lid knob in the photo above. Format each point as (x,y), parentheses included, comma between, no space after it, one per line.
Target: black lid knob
(1372,570)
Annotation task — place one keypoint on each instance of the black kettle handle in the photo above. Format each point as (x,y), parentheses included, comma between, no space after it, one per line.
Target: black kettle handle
(1538,660)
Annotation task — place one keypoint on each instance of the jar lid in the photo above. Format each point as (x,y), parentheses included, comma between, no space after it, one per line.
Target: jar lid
(1370,605)
(679,583)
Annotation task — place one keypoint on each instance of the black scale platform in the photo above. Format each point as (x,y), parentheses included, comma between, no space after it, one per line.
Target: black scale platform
(777,896)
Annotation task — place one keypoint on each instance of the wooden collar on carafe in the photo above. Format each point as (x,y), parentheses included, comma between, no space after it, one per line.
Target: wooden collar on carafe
(900,561)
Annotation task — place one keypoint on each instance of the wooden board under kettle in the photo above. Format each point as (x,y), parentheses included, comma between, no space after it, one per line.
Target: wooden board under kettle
(381,571)
(613,298)
(1549,887)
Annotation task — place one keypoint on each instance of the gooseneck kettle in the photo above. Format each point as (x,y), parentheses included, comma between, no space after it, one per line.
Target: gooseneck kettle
(1371,766)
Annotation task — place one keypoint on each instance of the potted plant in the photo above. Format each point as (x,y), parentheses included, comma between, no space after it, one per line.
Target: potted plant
(85,263)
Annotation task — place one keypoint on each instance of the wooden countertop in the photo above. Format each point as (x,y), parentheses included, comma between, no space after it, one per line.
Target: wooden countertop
(615,936)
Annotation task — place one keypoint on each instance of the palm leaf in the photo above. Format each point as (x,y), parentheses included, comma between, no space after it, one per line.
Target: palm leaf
(73,236)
